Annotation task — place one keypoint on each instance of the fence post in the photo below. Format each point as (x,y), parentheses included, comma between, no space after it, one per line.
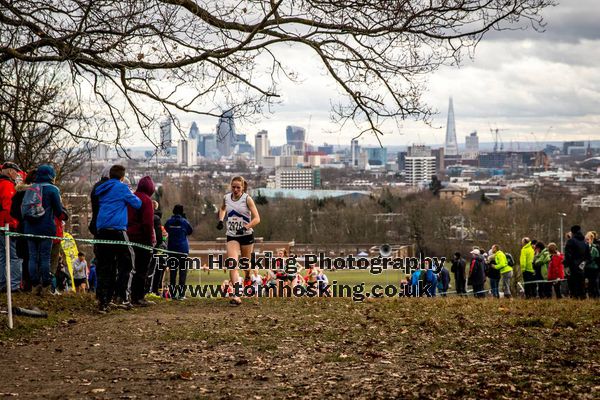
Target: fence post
(8,281)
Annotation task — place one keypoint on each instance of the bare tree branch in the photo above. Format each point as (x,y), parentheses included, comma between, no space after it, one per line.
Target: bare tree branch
(206,56)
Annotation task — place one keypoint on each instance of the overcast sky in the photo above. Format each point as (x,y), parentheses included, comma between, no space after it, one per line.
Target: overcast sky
(536,86)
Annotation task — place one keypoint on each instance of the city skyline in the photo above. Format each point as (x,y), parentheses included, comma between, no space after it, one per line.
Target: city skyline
(536,87)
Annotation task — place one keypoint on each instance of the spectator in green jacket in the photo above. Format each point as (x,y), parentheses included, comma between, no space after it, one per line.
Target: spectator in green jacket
(540,265)
(526,262)
(506,271)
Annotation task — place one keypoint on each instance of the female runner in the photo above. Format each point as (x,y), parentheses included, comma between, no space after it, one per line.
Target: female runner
(241,215)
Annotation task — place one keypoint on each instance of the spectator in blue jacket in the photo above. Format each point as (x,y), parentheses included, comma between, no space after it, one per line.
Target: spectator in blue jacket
(114,261)
(44,225)
(92,277)
(443,281)
(178,229)
(415,280)
(431,279)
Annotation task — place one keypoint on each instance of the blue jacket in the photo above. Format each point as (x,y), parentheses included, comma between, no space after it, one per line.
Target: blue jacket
(178,229)
(114,197)
(50,201)
(431,278)
(416,276)
(444,280)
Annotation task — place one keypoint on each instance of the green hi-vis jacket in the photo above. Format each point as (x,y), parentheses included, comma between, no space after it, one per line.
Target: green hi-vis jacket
(526,260)
(541,262)
(501,263)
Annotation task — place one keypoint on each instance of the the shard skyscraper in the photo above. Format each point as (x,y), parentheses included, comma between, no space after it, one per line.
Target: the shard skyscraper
(451,147)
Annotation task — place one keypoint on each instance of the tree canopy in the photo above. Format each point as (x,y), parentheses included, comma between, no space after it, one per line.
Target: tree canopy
(206,56)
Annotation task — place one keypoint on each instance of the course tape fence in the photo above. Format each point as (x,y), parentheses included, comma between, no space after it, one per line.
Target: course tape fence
(6,231)
(92,241)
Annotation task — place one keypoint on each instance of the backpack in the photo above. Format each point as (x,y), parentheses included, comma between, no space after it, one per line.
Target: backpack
(32,207)
(510,260)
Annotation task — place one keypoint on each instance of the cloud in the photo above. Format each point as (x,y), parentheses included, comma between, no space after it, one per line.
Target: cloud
(570,21)
(523,81)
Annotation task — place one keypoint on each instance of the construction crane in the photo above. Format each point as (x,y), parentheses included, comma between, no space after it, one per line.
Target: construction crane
(496,134)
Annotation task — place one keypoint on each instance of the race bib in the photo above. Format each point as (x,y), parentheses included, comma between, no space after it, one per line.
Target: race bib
(235,223)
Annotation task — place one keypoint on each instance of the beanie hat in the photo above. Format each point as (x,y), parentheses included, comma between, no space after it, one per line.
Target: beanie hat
(178,209)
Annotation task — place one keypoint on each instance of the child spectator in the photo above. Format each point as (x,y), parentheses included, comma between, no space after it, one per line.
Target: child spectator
(61,277)
(556,270)
(270,281)
(92,280)
(256,280)
(323,281)
(179,229)
(247,278)
(80,272)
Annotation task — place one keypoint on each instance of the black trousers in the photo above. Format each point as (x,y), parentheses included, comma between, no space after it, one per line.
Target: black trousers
(478,290)
(143,258)
(530,288)
(114,268)
(545,290)
(155,277)
(592,277)
(179,265)
(459,281)
(576,282)
(23,253)
(557,289)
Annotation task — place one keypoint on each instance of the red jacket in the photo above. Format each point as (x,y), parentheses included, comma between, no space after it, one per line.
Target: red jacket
(556,269)
(7,191)
(59,226)
(140,223)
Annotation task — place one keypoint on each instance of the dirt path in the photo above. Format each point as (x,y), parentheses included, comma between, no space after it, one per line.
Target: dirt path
(313,349)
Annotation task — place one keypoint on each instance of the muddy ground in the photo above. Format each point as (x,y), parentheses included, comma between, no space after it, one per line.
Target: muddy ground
(305,348)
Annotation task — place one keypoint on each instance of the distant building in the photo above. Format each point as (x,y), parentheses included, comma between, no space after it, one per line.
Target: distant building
(574,148)
(325,149)
(440,164)
(101,152)
(451,146)
(472,143)
(296,136)
(419,150)
(354,153)
(194,131)
(288,150)
(492,160)
(401,159)
(291,161)
(419,165)
(297,178)
(551,149)
(261,147)
(226,135)
(270,162)
(376,156)
(166,140)
(186,152)
(207,146)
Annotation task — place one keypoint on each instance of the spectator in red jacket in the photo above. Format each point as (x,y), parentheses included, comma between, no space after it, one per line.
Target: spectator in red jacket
(9,173)
(140,229)
(556,269)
